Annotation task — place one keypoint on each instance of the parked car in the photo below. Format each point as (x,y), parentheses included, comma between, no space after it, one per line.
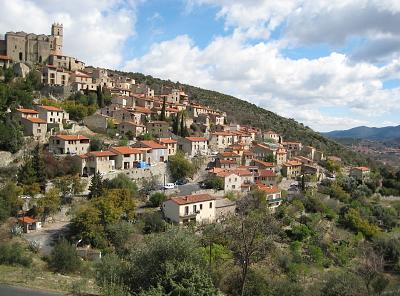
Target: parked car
(181,182)
(169,186)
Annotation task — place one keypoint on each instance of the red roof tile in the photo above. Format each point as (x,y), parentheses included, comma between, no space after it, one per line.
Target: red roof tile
(167,141)
(152,144)
(71,137)
(28,111)
(188,199)
(126,150)
(35,120)
(51,108)
(27,219)
(196,139)
(101,153)
(268,189)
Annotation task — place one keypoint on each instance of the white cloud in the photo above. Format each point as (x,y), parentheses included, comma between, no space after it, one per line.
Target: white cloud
(94,30)
(260,73)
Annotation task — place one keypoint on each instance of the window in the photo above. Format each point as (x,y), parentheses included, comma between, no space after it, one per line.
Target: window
(186,210)
(201,206)
(210,205)
(194,208)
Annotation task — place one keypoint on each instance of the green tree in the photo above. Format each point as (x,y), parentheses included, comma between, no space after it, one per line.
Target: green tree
(11,138)
(10,200)
(96,144)
(26,172)
(342,284)
(170,262)
(156,199)
(175,124)
(122,181)
(100,98)
(180,167)
(49,204)
(214,182)
(39,167)
(96,187)
(163,116)
(64,258)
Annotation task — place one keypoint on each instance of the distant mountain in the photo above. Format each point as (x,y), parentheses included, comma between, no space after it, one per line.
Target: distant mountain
(368,133)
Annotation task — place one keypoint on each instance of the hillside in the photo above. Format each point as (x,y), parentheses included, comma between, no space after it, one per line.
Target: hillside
(247,113)
(369,133)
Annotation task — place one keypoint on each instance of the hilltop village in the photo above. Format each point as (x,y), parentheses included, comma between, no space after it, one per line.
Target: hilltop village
(156,125)
(132,187)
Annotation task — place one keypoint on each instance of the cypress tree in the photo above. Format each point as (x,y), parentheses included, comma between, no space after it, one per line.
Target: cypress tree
(39,167)
(100,99)
(163,111)
(175,124)
(96,187)
(182,126)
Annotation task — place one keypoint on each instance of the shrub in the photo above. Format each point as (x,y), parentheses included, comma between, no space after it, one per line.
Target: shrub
(156,199)
(64,257)
(14,254)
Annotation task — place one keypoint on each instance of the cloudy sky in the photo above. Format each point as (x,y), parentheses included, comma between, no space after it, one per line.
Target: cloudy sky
(328,64)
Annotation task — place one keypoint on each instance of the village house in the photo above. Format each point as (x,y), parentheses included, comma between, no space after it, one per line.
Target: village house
(52,75)
(193,146)
(273,195)
(271,136)
(291,169)
(263,151)
(198,208)
(158,129)
(156,152)
(266,177)
(217,119)
(123,101)
(221,140)
(52,115)
(280,156)
(127,157)
(96,162)
(66,62)
(171,144)
(313,153)
(263,164)
(228,160)
(144,102)
(24,113)
(69,144)
(5,61)
(34,127)
(293,148)
(360,173)
(130,129)
(29,224)
(82,81)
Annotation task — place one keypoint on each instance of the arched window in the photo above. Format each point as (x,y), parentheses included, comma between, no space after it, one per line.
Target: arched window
(40,59)
(21,56)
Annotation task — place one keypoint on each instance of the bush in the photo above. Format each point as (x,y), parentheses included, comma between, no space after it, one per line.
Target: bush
(64,257)
(153,222)
(14,254)
(156,199)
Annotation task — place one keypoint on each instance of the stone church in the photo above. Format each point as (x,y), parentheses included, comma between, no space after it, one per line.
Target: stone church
(31,48)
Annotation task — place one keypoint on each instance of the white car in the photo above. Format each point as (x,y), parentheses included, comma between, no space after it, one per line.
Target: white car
(169,186)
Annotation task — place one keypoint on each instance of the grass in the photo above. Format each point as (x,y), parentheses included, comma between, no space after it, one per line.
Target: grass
(36,278)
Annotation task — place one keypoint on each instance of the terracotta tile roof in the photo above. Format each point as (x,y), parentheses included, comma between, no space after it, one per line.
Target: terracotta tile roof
(361,168)
(35,120)
(229,154)
(266,173)
(27,219)
(224,173)
(167,141)
(268,189)
(196,139)
(242,172)
(51,108)
(101,153)
(29,111)
(264,163)
(227,161)
(222,134)
(142,110)
(152,144)
(4,57)
(126,150)
(292,163)
(71,137)
(189,199)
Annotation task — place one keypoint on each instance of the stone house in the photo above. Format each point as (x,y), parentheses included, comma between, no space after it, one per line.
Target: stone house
(159,129)
(52,75)
(29,224)
(34,127)
(273,195)
(171,144)
(198,208)
(266,177)
(360,173)
(291,169)
(127,157)
(155,151)
(193,146)
(24,113)
(69,144)
(66,62)
(130,128)
(293,148)
(97,162)
(82,81)
(271,135)
(52,115)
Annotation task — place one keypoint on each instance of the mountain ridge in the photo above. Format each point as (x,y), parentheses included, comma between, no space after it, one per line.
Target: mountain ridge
(367,133)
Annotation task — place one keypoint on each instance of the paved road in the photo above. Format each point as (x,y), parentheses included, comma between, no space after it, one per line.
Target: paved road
(16,291)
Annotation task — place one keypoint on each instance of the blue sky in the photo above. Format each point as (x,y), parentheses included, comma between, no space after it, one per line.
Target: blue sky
(328,64)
